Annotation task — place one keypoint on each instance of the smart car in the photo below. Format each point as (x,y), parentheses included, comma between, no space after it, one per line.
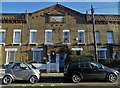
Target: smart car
(20,71)
(80,70)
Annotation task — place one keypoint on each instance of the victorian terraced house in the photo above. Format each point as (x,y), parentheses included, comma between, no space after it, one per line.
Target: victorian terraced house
(45,33)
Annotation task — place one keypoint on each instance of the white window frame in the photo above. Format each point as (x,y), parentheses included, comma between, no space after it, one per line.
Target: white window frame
(78,49)
(83,36)
(7,50)
(69,36)
(36,49)
(33,30)
(3,30)
(49,30)
(103,49)
(110,42)
(16,30)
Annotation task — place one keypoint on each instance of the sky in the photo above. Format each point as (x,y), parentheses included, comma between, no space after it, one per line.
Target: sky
(82,7)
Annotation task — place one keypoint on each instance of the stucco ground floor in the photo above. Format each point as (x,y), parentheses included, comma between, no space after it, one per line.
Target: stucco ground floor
(51,57)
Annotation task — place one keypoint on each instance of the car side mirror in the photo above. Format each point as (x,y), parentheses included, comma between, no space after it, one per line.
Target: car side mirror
(101,67)
(27,68)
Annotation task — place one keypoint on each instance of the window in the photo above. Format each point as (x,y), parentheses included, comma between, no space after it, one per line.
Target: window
(56,18)
(95,65)
(33,36)
(10,54)
(102,53)
(2,37)
(48,36)
(19,66)
(78,50)
(66,36)
(17,37)
(81,36)
(84,65)
(97,37)
(37,54)
(110,37)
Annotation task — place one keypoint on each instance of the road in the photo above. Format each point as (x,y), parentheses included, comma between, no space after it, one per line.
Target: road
(60,82)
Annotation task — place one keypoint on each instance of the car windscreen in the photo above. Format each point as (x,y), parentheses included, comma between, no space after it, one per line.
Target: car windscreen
(10,63)
(32,66)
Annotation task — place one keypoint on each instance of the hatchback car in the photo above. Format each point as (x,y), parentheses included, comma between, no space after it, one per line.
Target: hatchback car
(80,70)
(20,71)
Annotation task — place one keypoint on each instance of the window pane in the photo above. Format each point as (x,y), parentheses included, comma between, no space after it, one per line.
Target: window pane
(37,56)
(81,37)
(11,56)
(78,52)
(48,37)
(110,37)
(66,37)
(97,37)
(33,37)
(17,37)
(2,37)
(102,54)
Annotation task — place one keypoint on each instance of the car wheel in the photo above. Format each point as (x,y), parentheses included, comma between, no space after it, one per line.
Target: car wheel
(33,79)
(112,77)
(76,78)
(6,80)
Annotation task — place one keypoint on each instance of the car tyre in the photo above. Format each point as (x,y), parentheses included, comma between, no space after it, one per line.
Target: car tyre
(7,80)
(76,78)
(33,79)
(112,77)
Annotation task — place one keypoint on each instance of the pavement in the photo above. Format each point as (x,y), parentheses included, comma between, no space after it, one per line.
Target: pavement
(52,74)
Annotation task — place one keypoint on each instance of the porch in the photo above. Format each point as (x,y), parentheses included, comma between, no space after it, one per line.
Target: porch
(49,67)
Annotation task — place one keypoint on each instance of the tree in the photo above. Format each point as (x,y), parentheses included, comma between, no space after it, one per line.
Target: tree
(71,56)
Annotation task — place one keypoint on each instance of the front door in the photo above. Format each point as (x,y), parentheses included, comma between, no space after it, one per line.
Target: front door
(53,57)
(61,60)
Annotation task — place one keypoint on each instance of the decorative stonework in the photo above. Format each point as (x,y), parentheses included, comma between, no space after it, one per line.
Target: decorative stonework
(13,18)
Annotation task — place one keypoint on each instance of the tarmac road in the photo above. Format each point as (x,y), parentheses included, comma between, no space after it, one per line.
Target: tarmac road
(60,82)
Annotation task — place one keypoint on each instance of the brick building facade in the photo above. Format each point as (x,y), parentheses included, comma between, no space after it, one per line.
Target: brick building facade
(46,32)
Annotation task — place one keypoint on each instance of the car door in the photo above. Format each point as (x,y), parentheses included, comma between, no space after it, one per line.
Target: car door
(86,71)
(21,71)
(97,71)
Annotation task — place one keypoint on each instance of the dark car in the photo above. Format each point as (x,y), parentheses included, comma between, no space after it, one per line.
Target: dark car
(80,70)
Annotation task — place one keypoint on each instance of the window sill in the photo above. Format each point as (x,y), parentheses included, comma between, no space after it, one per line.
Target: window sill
(3,44)
(48,43)
(67,43)
(110,43)
(81,43)
(33,43)
(16,44)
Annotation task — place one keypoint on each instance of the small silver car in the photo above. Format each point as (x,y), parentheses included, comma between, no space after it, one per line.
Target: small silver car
(21,71)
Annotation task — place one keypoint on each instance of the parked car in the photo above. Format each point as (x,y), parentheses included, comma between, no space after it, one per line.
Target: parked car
(21,71)
(80,70)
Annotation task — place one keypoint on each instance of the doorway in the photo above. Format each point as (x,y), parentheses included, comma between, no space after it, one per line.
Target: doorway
(61,61)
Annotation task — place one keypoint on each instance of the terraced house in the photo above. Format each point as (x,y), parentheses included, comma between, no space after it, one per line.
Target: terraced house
(42,34)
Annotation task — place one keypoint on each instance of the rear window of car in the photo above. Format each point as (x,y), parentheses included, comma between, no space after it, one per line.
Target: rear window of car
(74,65)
